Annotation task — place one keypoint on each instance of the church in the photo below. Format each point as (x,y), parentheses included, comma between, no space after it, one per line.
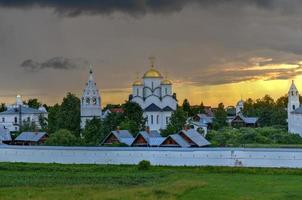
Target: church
(90,101)
(294,110)
(154,94)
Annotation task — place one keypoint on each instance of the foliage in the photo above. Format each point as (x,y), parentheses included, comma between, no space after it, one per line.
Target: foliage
(62,137)
(177,122)
(43,123)
(130,125)
(53,115)
(69,116)
(3,107)
(269,112)
(28,126)
(144,165)
(187,107)
(33,103)
(93,133)
(220,117)
(133,117)
(239,137)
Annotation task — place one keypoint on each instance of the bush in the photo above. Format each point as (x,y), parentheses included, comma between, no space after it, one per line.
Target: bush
(62,137)
(144,165)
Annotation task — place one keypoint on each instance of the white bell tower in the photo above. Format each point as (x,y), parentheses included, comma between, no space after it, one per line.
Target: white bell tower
(90,101)
(293,98)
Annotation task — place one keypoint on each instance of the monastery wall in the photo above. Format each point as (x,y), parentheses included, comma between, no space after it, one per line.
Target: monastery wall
(289,158)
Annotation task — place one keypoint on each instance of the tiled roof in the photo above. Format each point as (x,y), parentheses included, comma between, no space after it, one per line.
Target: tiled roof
(123,136)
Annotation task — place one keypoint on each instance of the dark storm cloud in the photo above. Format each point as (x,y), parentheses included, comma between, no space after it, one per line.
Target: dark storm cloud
(58,63)
(133,7)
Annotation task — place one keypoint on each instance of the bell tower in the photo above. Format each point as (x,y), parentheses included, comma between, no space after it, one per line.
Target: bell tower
(293,98)
(90,101)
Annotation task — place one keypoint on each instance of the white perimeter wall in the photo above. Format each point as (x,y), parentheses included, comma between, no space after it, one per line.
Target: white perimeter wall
(290,158)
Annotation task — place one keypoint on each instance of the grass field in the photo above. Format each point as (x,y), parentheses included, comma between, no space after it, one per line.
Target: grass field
(69,182)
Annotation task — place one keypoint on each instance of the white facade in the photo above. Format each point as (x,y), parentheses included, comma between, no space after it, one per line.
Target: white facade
(155,96)
(294,111)
(18,113)
(90,101)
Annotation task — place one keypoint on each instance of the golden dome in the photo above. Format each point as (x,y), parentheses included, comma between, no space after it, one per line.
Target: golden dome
(152,73)
(166,82)
(137,83)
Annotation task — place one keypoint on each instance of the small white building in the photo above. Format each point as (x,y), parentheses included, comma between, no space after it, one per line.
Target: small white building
(90,101)
(294,111)
(155,96)
(18,113)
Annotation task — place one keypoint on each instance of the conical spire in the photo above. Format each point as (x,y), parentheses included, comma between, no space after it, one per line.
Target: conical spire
(293,87)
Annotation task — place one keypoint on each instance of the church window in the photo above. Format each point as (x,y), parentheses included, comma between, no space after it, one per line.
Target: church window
(152,85)
(3,119)
(94,101)
(167,120)
(292,93)
(16,120)
(157,119)
(294,107)
(87,101)
(166,91)
(137,92)
(151,119)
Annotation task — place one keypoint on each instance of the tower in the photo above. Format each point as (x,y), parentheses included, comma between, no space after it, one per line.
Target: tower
(293,99)
(239,106)
(90,101)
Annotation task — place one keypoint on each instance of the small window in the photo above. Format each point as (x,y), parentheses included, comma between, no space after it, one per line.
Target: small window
(157,119)
(152,85)
(28,119)
(294,107)
(94,101)
(87,101)
(167,120)
(166,91)
(137,92)
(3,119)
(151,119)
(16,120)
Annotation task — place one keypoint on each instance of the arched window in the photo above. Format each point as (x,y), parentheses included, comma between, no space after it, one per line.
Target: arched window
(94,101)
(166,91)
(294,107)
(16,120)
(151,119)
(87,100)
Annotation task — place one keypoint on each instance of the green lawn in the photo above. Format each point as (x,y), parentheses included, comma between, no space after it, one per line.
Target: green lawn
(53,181)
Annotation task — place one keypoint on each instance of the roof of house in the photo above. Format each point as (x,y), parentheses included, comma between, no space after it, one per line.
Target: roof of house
(153,138)
(196,137)
(205,119)
(24,110)
(167,108)
(5,134)
(123,136)
(179,140)
(31,136)
(247,120)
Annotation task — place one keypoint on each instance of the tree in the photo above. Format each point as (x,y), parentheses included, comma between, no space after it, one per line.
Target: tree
(3,107)
(92,133)
(62,137)
(177,122)
(43,123)
(129,125)
(28,126)
(69,116)
(187,107)
(33,103)
(133,117)
(111,122)
(220,117)
(53,115)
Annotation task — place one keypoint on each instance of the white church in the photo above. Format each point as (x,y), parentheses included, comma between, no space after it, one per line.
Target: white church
(154,94)
(90,101)
(294,110)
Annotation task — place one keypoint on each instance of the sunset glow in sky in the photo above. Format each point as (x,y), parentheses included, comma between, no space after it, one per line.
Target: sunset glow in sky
(213,51)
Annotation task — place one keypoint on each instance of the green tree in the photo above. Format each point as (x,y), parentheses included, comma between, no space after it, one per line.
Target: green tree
(69,116)
(177,122)
(220,117)
(53,115)
(33,103)
(111,122)
(187,107)
(133,117)
(129,125)
(93,133)
(28,126)
(62,137)
(3,107)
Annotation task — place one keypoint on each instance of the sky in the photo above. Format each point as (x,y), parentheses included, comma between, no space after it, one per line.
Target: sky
(213,50)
